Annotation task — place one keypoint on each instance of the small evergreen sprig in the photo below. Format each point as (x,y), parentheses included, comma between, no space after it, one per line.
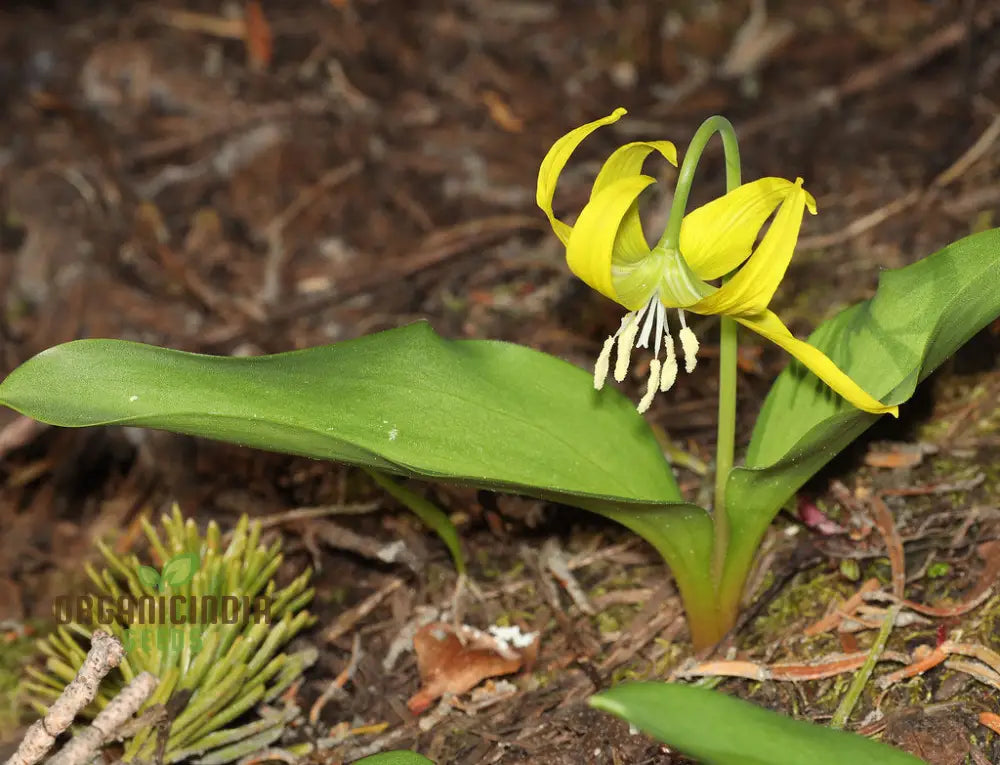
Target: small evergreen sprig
(211,670)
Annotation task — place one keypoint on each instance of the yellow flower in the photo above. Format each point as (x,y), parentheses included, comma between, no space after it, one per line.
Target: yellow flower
(607,249)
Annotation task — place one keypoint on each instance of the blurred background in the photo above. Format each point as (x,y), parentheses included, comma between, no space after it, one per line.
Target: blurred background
(253,177)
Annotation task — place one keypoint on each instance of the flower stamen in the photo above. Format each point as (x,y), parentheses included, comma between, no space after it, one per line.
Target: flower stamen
(603,362)
(637,330)
(652,385)
(689,345)
(626,341)
(669,374)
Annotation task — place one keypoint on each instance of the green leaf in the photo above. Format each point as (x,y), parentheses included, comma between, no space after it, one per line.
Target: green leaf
(920,315)
(149,577)
(405,401)
(721,730)
(178,570)
(395,758)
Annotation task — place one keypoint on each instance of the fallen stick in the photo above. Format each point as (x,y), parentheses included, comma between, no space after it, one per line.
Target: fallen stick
(105,654)
(84,746)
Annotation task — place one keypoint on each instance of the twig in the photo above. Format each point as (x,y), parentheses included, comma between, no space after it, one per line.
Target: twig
(941,612)
(404,638)
(209,24)
(84,746)
(860,679)
(923,660)
(845,609)
(342,538)
(661,616)
(307,513)
(830,666)
(352,616)
(876,217)
(554,560)
(879,73)
(336,685)
(437,248)
(273,231)
(270,755)
(987,656)
(19,432)
(860,225)
(938,488)
(971,155)
(976,670)
(893,544)
(105,654)
(990,720)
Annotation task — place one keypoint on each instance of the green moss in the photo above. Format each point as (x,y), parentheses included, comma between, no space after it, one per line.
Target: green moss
(607,623)
(16,650)
(804,601)
(939,569)
(230,664)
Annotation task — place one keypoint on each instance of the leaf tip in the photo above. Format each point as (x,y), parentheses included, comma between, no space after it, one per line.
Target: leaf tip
(601,702)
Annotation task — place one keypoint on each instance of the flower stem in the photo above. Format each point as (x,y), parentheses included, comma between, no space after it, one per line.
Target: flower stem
(725,444)
(726,438)
(685,176)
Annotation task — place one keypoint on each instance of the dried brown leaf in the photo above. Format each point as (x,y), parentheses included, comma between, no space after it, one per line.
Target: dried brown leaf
(454,660)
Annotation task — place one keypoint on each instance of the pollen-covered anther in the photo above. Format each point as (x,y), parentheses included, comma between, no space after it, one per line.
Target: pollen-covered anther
(668,375)
(626,341)
(603,362)
(652,385)
(689,346)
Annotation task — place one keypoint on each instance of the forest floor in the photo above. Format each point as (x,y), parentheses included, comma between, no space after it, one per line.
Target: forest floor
(181,174)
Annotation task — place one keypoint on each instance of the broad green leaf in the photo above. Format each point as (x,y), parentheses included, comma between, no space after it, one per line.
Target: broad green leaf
(149,577)
(405,401)
(721,730)
(920,315)
(395,758)
(178,570)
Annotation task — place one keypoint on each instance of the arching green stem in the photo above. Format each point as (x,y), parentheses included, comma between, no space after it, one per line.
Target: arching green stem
(726,440)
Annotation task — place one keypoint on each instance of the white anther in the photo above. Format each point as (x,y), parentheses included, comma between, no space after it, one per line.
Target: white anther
(652,385)
(626,340)
(689,346)
(603,362)
(669,373)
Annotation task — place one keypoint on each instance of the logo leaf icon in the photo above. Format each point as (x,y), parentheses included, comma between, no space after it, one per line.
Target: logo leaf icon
(178,570)
(149,577)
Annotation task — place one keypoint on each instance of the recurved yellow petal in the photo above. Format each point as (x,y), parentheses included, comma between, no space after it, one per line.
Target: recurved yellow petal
(718,236)
(750,290)
(631,246)
(768,325)
(555,161)
(594,241)
(627,160)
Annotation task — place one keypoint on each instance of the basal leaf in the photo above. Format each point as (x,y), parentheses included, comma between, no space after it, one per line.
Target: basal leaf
(405,401)
(721,730)
(920,315)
